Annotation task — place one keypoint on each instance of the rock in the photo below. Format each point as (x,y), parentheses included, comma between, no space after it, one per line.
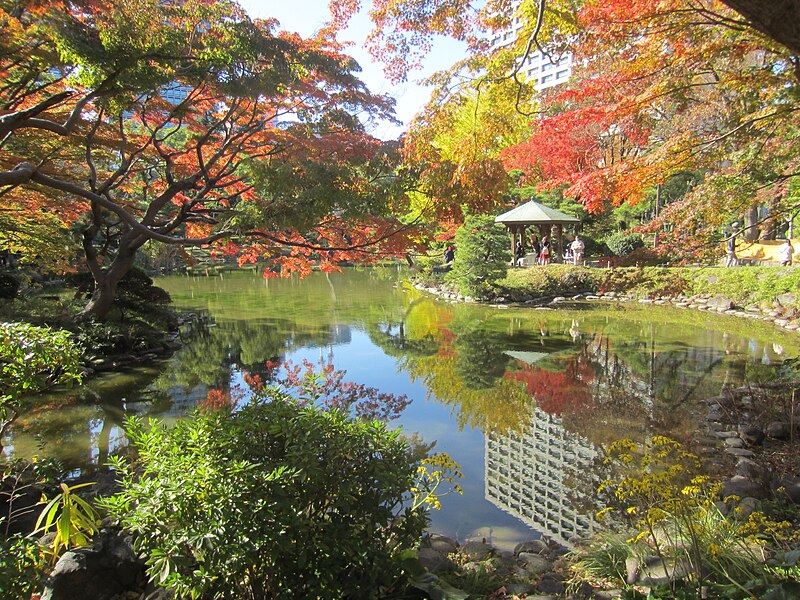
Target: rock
(787,299)
(109,568)
(779,430)
(534,564)
(750,469)
(520,589)
(734,442)
(632,570)
(477,550)
(721,304)
(443,544)
(743,487)
(551,584)
(745,508)
(607,594)
(531,547)
(789,487)
(752,436)
(656,572)
(723,508)
(433,560)
(740,452)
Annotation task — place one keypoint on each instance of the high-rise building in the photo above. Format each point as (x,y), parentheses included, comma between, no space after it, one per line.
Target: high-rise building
(544,68)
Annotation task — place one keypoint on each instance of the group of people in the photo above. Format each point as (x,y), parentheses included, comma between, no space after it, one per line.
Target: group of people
(542,252)
(785,251)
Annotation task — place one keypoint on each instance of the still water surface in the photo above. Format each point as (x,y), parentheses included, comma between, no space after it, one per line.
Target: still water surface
(523,399)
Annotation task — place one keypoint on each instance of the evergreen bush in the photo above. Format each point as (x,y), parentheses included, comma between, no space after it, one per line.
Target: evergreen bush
(622,243)
(482,256)
(275,500)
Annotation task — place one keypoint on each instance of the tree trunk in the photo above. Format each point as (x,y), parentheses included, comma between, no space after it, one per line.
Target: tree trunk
(773,220)
(777,19)
(105,286)
(751,225)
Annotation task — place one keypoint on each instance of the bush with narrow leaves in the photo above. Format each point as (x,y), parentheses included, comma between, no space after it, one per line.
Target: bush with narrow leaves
(275,500)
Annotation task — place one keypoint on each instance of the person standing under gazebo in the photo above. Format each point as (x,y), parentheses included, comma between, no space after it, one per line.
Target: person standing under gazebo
(577,246)
(544,254)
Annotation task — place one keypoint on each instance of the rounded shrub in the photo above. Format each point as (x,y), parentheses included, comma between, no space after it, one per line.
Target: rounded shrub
(273,501)
(622,243)
(482,256)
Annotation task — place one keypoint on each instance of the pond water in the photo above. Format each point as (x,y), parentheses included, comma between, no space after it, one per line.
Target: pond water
(523,399)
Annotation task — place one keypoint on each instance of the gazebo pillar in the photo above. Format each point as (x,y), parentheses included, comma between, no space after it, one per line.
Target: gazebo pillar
(560,237)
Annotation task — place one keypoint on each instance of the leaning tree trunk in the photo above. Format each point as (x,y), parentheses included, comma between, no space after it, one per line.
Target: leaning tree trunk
(105,286)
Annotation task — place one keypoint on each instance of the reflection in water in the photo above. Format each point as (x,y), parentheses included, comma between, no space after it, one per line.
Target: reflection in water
(524,399)
(542,475)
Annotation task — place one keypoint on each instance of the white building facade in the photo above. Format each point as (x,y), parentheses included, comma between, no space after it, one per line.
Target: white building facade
(545,67)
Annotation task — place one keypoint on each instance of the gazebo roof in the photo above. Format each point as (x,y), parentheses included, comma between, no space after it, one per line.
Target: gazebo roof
(533,213)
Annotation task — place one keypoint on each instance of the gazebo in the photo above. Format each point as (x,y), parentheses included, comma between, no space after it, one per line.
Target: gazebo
(549,221)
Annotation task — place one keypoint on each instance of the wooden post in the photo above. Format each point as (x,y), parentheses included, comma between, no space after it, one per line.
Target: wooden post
(560,235)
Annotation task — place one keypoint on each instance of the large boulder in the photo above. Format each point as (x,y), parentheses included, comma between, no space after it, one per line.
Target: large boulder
(102,572)
(743,487)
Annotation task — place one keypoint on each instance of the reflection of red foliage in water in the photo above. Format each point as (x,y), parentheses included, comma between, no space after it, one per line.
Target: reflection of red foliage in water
(446,338)
(254,382)
(558,392)
(216,401)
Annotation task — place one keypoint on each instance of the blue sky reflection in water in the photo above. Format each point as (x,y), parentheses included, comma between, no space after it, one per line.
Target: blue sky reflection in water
(597,373)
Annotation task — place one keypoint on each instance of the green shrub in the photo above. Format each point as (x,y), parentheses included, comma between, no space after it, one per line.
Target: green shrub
(482,256)
(622,243)
(22,566)
(32,359)
(648,282)
(276,500)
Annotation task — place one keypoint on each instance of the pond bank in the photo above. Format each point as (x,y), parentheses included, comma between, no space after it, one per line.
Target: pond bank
(780,313)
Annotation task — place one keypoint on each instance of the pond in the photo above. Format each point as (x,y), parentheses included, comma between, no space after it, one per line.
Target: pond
(523,399)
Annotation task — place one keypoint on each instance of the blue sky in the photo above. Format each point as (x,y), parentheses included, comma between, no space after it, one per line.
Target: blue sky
(306,16)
